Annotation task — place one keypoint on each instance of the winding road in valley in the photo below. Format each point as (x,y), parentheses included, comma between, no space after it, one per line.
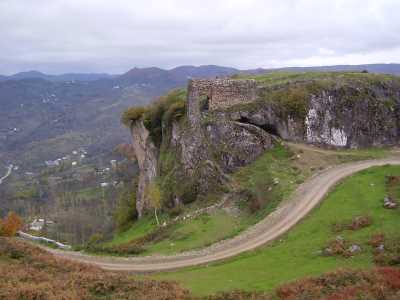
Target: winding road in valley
(288,214)
(9,171)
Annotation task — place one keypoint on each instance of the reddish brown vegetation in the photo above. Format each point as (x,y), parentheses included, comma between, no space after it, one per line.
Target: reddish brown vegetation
(355,224)
(340,247)
(240,295)
(393,187)
(10,225)
(383,283)
(386,251)
(393,180)
(28,272)
(377,240)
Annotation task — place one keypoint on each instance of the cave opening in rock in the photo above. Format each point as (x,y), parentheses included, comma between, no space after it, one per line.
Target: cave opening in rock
(269,128)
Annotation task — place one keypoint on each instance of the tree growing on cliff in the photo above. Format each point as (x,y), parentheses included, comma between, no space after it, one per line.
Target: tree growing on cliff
(154,195)
(125,213)
(132,114)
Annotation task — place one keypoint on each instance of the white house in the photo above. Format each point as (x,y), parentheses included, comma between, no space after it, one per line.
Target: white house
(52,163)
(38,224)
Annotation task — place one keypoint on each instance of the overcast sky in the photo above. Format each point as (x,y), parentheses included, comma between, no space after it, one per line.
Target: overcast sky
(57,36)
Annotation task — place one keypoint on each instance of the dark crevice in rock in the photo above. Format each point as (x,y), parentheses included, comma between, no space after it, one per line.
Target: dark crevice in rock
(269,128)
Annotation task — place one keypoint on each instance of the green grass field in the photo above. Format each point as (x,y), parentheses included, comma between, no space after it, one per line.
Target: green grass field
(202,231)
(207,229)
(281,78)
(139,229)
(297,254)
(258,179)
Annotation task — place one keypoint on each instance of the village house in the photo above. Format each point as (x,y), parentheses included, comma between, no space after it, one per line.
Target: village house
(38,224)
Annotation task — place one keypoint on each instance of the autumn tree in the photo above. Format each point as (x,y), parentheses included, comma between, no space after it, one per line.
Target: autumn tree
(10,225)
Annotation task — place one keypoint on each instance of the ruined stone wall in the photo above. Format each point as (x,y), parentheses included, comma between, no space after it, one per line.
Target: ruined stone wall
(221,94)
(196,90)
(228,92)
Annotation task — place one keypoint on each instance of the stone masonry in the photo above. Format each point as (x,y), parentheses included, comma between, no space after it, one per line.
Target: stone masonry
(221,94)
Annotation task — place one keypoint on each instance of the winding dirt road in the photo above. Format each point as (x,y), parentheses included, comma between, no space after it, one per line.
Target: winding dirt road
(290,212)
(10,167)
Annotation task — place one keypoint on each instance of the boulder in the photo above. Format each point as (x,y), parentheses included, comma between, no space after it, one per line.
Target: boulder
(389,203)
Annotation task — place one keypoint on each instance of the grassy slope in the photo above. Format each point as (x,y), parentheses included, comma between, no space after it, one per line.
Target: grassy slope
(296,254)
(197,233)
(207,229)
(28,272)
(138,230)
(258,177)
(281,78)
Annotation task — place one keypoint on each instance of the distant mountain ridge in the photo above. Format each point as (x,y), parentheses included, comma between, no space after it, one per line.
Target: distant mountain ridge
(181,73)
(393,69)
(57,78)
(42,116)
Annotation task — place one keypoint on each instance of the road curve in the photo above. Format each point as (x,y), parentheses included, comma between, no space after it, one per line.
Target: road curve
(304,199)
(10,167)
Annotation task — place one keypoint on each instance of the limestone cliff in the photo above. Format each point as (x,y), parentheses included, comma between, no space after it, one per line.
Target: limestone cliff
(362,110)
(191,146)
(147,156)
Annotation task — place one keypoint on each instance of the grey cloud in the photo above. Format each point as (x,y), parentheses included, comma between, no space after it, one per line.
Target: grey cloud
(112,36)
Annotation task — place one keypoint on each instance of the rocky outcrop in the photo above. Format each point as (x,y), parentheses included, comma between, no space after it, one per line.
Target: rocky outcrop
(147,157)
(345,116)
(236,143)
(340,118)
(229,123)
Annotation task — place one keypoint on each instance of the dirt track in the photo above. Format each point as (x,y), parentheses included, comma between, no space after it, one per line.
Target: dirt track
(8,173)
(304,199)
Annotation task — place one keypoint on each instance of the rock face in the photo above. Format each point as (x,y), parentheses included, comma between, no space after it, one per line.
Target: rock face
(147,157)
(349,116)
(332,120)
(229,123)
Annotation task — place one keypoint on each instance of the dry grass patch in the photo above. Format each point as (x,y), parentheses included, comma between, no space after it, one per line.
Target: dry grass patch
(28,272)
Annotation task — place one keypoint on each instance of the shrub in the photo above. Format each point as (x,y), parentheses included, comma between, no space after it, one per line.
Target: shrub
(355,224)
(382,283)
(292,100)
(165,110)
(240,295)
(132,114)
(10,225)
(187,190)
(175,211)
(340,247)
(175,111)
(252,199)
(125,213)
(95,239)
(152,120)
(39,275)
(389,254)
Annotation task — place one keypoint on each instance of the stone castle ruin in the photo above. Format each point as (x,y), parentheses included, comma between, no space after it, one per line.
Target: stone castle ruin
(214,94)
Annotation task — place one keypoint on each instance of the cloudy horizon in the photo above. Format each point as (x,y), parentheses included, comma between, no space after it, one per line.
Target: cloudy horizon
(64,36)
